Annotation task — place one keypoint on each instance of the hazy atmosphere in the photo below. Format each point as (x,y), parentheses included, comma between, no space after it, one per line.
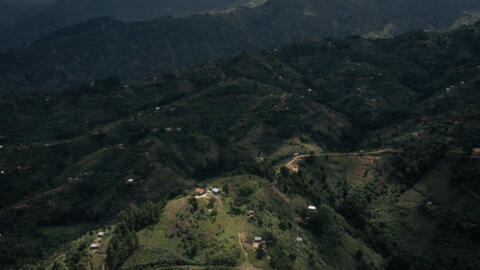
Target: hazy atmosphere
(240,135)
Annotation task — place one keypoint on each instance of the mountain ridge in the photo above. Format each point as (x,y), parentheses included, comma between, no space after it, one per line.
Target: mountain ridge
(136,50)
(68,157)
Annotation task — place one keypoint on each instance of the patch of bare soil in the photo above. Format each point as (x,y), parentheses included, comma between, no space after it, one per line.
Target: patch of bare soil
(171,230)
(218,201)
(174,207)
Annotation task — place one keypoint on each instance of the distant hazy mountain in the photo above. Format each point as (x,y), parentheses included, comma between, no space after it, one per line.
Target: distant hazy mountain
(25,3)
(7,11)
(104,47)
(42,16)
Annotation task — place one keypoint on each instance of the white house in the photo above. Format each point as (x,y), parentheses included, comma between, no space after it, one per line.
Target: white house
(215,190)
(130,180)
(100,234)
(94,246)
(312,208)
(299,239)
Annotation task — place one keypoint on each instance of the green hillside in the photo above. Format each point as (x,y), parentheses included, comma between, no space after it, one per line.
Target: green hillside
(380,135)
(104,47)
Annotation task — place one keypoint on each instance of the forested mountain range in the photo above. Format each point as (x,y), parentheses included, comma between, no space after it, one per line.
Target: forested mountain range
(387,130)
(34,19)
(105,47)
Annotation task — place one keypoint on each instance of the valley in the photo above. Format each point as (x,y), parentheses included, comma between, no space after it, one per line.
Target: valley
(363,148)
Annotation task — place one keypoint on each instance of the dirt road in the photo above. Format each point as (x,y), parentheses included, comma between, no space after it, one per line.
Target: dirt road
(246,265)
(292,164)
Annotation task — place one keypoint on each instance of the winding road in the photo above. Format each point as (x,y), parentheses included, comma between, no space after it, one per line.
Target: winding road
(292,164)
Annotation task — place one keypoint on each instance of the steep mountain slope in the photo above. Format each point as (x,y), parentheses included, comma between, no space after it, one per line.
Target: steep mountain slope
(66,157)
(39,19)
(7,12)
(105,47)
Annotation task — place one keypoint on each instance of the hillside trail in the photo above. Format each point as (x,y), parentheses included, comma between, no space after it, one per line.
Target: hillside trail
(246,265)
(218,200)
(473,193)
(292,164)
(104,261)
(280,194)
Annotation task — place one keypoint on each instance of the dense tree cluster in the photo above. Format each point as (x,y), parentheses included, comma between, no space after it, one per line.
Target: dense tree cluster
(124,240)
(414,161)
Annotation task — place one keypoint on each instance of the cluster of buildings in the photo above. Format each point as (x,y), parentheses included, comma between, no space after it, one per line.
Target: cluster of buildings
(96,244)
(202,191)
(258,241)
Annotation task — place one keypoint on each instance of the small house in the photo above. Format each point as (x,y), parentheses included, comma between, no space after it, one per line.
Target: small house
(200,191)
(312,208)
(257,242)
(94,246)
(100,234)
(131,180)
(250,213)
(215,190)
(299,239)
(2,172)
(1,146)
